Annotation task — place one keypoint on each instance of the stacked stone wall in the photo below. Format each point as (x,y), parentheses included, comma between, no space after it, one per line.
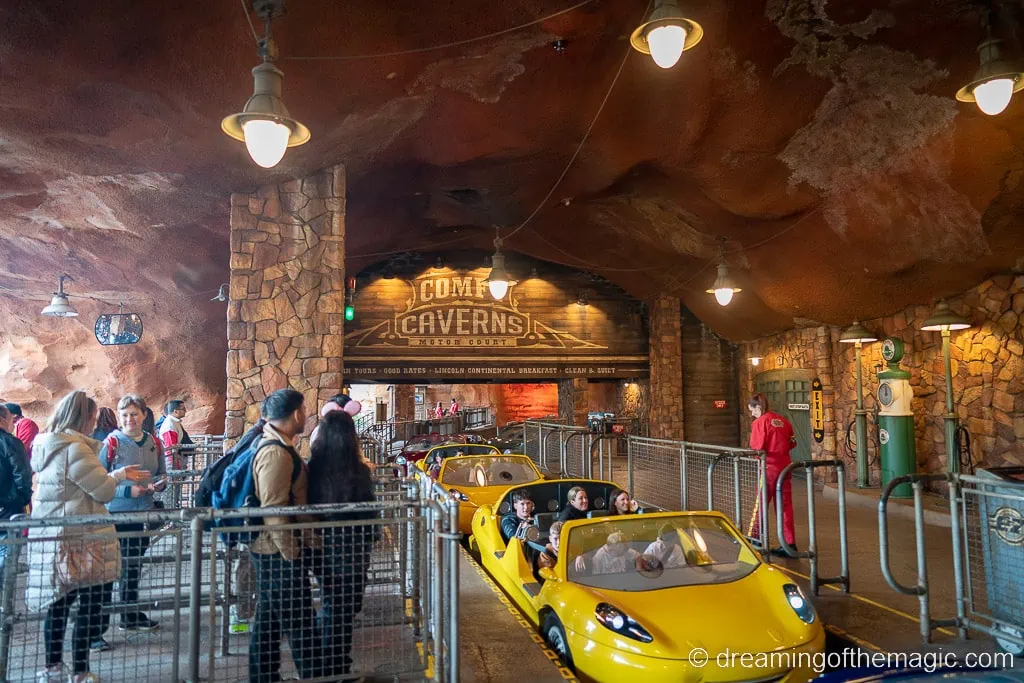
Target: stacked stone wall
(666,385)
(987,368)
(287,295)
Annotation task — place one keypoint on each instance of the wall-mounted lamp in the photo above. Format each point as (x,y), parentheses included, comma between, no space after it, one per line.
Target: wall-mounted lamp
(755,360)
(439,263)
(582,299)
(59,306)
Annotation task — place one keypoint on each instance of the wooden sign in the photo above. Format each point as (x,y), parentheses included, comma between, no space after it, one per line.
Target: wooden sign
(817,411)
(443,324)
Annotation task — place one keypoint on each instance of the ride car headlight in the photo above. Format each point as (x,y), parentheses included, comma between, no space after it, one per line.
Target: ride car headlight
(458,495)
(616,620)
(798,601)
(400,460)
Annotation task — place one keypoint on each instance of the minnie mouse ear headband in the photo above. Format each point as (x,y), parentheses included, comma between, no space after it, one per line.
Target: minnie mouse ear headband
(343,403)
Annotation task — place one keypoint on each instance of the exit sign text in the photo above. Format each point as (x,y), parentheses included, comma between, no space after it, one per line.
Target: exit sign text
(720,403)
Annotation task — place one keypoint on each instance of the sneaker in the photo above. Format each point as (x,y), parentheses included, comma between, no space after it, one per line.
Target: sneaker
(51,674)
(100,645)
(238,625)
(142,623)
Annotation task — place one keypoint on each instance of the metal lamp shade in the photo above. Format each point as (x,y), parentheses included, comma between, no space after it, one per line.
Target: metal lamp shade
(724,280)
(666,13)
(266,104)
(857,333)
(993,66)
(60,307)
(944,318)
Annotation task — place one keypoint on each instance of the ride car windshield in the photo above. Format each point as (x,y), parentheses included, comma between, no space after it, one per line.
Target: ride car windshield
(493,470)
(641,553)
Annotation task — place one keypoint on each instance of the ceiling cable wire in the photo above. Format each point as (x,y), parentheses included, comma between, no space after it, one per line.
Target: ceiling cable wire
(248,18)
(579,147)
(588,264)
(432,48)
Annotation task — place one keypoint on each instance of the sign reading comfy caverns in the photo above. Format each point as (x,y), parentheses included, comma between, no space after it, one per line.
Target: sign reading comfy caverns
(442,323)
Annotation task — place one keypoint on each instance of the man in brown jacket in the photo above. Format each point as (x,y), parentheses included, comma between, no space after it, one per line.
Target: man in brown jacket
(285,602)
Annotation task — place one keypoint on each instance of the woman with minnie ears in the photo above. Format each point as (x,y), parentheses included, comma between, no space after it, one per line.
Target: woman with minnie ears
(340,402)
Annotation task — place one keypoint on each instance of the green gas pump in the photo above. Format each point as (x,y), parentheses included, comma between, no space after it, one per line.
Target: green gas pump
(895,419)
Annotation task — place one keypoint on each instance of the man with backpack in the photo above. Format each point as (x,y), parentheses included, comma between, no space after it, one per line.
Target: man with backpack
(285,603)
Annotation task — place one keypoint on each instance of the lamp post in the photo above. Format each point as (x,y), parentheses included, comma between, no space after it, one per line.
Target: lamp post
(858,335)
(944,320)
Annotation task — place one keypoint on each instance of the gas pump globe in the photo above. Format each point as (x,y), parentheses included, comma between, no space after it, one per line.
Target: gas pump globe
(896,419)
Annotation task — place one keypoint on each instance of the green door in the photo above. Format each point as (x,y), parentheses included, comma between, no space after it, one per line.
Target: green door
(789,395)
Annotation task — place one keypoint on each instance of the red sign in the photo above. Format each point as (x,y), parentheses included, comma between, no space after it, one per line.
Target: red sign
(618,429)
(720,403)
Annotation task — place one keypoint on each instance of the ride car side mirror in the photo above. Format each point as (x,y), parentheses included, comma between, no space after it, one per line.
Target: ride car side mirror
(548,574)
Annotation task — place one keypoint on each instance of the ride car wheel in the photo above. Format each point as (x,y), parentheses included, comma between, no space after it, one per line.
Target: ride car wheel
(554,636)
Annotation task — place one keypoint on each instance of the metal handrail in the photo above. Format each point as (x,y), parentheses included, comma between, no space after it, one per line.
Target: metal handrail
(917,482)
(811,554)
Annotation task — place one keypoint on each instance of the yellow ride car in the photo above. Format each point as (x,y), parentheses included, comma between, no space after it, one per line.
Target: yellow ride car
(476,480)
(668,596)
(431,462)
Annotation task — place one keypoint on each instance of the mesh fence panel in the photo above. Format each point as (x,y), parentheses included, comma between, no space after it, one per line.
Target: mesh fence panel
(993,530)
(120,601)
(550,448)
(577,453)
(655,472)
(531,442)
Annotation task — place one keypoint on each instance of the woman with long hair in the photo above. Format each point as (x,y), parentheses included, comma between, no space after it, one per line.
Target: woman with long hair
(106,422)
(338,474)
(72,563)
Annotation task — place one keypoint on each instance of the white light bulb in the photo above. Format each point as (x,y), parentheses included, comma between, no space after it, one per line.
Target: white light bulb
(993,96)
(723,296)
(618,622)
(266,141)
(666,44)
(796,601)
(499,288)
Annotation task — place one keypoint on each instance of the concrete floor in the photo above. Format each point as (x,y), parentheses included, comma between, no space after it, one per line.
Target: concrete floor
(496,643)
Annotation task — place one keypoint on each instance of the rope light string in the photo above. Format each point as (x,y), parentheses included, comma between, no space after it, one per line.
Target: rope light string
(432,48)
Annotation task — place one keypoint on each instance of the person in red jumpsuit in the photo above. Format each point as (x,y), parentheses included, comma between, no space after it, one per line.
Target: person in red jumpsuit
(773,434)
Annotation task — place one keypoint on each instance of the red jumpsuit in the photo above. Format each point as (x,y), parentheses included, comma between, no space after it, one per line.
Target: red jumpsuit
(773,434)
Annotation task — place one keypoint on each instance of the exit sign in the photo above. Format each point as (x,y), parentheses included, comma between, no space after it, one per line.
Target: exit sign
(618,429)
(720,403)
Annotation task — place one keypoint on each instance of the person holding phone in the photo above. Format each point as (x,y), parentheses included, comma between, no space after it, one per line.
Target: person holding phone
(130,445)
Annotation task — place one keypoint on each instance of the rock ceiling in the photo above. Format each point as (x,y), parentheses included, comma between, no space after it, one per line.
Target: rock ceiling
(820,139)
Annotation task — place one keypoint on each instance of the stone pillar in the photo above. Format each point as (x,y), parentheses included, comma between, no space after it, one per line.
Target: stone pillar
(572,400)
(666,397)
(405,401)
(287,295)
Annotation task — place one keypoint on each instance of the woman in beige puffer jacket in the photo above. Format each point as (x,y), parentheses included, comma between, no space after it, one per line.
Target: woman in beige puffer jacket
(69,563)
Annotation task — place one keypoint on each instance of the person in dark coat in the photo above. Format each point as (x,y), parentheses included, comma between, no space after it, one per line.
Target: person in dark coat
(15,477)
(577,507)
(338,474)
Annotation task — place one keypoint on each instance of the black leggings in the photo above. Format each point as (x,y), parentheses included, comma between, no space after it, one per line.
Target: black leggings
(87,626)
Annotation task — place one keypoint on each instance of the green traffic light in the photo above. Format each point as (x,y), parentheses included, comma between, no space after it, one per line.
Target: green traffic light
(350,312)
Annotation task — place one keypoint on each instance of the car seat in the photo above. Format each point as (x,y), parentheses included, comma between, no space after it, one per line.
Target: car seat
(544,520)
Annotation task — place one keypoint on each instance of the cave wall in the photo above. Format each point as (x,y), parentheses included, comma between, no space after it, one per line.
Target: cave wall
(987,367)
(287,295)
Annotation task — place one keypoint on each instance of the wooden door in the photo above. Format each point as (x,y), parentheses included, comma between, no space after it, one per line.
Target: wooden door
(789,395)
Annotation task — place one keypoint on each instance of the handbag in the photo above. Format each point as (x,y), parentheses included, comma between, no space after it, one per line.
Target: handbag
(87,561)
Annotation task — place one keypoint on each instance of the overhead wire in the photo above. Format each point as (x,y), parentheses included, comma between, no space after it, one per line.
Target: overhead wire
(432,48)
(248,18)
(586,136)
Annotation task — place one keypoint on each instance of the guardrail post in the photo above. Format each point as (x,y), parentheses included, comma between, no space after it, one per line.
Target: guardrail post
(453,590)
(194,600)
(629,465)
(736,491)
(921,589)
(437,529)
(958,558)
(10,582)
(811,554)
(683,502)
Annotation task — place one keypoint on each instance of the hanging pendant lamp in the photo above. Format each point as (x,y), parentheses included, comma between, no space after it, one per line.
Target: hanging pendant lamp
(666,34)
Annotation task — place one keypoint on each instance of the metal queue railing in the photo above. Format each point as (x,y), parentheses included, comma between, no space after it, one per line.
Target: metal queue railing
(987,533)
(403,621)
(811,554)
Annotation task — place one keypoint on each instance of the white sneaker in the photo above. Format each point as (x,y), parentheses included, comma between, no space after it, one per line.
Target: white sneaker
(51,675)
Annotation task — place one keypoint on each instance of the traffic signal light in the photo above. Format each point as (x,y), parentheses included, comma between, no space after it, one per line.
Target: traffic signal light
(350,312)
